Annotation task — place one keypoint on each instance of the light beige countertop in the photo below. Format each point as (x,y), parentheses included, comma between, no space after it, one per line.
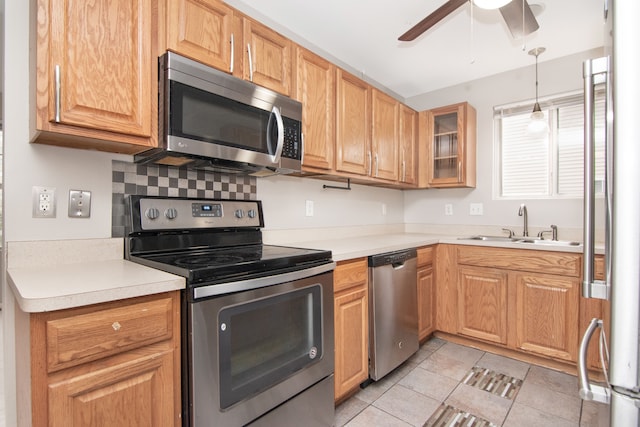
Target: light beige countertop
(55,275)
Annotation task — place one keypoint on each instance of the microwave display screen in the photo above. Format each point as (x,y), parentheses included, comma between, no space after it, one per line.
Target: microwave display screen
(201,115)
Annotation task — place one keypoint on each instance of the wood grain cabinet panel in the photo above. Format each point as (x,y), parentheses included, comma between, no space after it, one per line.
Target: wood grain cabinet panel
(351,319)
(482,303)
(426,292)
(384,137)
(353,129)
(96,74)
(202,30)
(269,57)
(115,363)
(316,90)
(547,315)
(408,146)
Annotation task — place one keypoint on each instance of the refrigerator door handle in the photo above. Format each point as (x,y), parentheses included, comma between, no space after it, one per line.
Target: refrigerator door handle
(596,71)
(588,391)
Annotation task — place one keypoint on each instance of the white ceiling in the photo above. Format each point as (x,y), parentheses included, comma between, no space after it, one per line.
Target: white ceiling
(363,35)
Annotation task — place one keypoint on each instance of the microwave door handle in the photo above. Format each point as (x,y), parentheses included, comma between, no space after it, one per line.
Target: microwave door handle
(275,113)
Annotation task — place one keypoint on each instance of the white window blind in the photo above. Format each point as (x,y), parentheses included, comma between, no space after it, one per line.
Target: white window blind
(552,165)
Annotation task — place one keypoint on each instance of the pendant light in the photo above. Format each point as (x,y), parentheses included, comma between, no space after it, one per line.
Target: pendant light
(538,126)
(490,4)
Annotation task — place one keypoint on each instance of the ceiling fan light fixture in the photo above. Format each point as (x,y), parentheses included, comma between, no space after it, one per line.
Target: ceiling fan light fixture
(490,4)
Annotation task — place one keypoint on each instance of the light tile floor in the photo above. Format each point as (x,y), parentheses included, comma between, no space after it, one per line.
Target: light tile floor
(410,394)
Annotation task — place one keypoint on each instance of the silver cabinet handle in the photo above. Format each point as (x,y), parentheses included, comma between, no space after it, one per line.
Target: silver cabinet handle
(250,62)
(587,391)
(596,71)
(231,58)
(370,170)
(56,74)
(404,171)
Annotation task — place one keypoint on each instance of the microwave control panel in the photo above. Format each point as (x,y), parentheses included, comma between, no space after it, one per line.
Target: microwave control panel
(292,147)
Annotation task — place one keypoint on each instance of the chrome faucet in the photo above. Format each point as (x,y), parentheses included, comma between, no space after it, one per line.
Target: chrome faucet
(523,212)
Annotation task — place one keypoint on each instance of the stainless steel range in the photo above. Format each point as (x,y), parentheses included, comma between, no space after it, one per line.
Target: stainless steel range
(257,319)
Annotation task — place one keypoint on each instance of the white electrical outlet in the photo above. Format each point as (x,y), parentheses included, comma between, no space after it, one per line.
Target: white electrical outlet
(475,209)
(448,209)
(309,208)
(43,202)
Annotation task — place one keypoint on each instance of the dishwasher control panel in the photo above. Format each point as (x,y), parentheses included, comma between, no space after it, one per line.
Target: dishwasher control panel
(397,257)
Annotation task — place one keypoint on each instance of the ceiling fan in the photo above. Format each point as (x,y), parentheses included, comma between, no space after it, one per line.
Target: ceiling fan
(516,13)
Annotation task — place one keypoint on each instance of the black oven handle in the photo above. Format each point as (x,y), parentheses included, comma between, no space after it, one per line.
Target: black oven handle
(260,282)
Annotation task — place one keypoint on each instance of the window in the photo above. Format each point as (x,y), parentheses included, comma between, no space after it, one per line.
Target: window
(550,166)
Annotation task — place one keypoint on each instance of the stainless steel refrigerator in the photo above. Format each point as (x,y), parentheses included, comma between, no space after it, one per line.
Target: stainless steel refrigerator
(620,73)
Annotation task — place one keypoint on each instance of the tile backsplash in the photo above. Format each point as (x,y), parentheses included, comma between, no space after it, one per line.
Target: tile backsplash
(159,180)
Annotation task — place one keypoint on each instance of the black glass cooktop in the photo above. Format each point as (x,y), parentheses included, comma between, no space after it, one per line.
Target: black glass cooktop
(208,266)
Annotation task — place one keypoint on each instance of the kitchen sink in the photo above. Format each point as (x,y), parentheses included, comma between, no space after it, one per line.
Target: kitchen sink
(525,240)
(549,242)
(491,238)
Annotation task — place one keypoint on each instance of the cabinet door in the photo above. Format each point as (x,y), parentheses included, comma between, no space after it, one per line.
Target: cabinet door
(547,315)
(351,320)
(202,30)
(426,297)
(351,340)
(353,146)
(482,304)
(269,57)
(137,392)
(384,137)
(316,90)
(408,145)
(95,72)
(452,146)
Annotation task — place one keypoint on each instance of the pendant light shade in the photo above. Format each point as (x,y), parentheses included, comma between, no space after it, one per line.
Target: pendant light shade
(538,124)
(490,4)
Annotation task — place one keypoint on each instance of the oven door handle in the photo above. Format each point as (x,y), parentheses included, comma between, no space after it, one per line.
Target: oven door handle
(260,282)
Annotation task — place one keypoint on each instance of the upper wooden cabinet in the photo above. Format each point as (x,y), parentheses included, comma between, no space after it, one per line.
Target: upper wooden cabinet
(451,142)
(353,125)
(384,135)
(202,30)
(408,146)
(96,76)
(268,57)
(316,90)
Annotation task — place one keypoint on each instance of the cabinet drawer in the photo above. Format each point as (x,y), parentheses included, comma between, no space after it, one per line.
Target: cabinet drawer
(566,264)
(425,256)
(350,273)
(79,338)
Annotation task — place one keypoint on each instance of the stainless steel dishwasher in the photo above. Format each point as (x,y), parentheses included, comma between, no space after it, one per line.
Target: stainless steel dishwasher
(393,310)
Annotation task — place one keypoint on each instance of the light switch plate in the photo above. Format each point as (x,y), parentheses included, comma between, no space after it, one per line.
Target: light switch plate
(79,204)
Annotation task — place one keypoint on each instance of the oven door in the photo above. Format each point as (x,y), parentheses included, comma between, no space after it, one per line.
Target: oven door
(251,351)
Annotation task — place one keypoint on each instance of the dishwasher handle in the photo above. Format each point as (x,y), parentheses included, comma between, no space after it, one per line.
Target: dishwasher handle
(395,259)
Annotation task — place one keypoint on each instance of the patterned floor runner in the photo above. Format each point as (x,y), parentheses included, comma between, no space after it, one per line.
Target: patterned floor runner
(493,382)
(448,416)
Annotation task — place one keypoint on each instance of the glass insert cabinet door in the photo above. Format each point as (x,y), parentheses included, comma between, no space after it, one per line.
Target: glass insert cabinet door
(452,146)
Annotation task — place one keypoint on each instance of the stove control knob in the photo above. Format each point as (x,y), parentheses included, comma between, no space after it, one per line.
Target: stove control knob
(152,213)
(239,213)
(251,213)
(171,213)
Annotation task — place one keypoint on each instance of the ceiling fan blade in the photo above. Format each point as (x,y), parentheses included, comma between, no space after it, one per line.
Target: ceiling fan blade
(431,20)
(512,14)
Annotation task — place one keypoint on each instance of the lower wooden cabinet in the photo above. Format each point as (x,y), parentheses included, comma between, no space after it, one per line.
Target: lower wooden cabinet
(351,317)
(115,363)
(482,303)
(547,315)
(426,293)
(517,299)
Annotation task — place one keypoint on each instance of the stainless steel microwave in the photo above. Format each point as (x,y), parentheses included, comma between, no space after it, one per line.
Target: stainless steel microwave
(211,120)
